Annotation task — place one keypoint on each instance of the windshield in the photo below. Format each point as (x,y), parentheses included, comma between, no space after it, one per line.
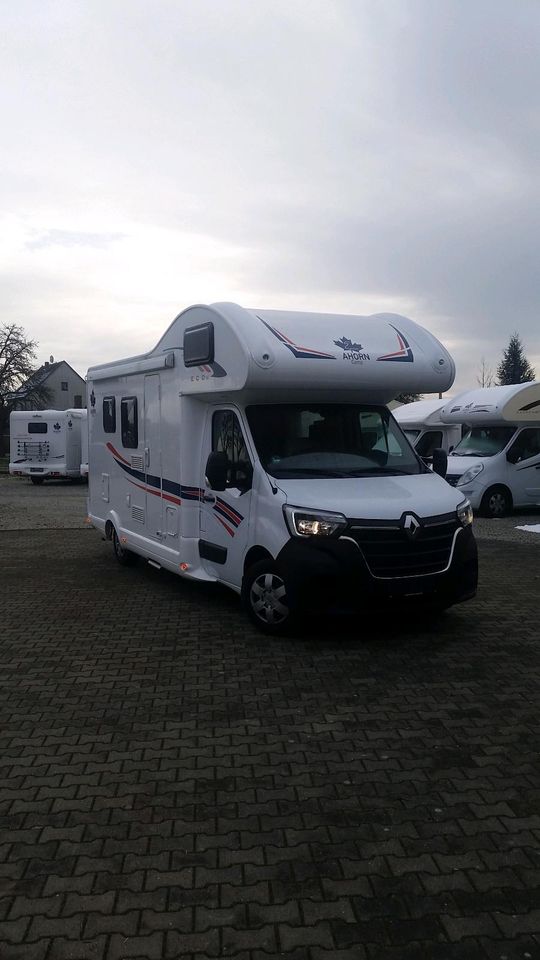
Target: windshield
(296,440)
(483,441)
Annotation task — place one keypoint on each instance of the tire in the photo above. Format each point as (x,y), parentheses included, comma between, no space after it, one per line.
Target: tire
(496,502)
(264,595)
(125,557)
(37,480)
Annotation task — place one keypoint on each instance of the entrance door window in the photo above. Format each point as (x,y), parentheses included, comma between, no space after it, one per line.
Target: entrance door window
(227,436)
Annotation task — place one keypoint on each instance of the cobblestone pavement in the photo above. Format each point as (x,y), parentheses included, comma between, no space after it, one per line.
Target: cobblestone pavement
(175,785)
(56,503)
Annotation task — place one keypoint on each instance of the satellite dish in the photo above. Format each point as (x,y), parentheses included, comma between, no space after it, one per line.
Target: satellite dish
(51,359)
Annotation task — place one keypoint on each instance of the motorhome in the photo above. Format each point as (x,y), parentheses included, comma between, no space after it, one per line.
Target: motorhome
(422,425)
(46,444)
(255,448)
(497,463)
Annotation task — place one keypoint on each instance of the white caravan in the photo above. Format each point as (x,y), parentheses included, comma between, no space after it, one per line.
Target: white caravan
(254,448)
(46,444)
(422,425)
(497,464)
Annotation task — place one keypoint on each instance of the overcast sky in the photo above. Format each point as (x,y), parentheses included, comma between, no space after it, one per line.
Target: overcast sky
(343,155)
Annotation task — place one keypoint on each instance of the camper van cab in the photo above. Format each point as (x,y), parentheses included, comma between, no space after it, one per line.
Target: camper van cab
(422,425)
(255,448)
(497,463)
(46,444)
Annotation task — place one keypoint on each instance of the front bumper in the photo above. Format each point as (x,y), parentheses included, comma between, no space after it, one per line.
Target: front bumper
(327,573)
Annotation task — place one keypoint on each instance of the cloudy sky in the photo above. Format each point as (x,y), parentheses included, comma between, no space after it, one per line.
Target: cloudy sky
(342,155)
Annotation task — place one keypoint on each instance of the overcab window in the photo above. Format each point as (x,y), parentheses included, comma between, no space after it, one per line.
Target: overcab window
(109,415)
(129,422)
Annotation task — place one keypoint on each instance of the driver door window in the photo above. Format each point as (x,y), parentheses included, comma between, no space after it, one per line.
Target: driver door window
(227,436)
(527,445)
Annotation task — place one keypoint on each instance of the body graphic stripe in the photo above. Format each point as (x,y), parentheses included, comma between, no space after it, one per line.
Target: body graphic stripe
(228,529)
(404,354)
(301,353)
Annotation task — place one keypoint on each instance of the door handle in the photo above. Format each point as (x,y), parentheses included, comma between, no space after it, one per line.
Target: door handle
(209,498)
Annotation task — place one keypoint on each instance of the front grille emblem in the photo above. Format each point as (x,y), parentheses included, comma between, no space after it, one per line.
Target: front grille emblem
(411,526)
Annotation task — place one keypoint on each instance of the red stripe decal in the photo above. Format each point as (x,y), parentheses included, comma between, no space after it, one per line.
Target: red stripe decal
(116,454)
(234,516)
(228,529)
(156,493)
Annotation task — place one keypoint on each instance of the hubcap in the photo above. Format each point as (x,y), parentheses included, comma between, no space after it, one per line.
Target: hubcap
(497,504)
(268,598)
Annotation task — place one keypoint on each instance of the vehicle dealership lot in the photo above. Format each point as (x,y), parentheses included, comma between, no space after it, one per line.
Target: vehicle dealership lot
(174,784)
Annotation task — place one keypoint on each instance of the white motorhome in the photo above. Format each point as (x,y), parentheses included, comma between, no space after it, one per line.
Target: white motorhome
(254,448)
(497,463)
(422,425)
(46,444)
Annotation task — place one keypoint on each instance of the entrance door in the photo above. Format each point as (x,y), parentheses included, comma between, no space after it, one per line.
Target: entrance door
(224,514)
(152,456)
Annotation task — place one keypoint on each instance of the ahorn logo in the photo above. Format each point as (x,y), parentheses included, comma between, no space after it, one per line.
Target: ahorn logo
(352,351)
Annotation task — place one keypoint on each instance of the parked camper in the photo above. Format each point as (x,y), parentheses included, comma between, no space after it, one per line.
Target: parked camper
(422,425)
(254,448)
(497,464)
(46,444)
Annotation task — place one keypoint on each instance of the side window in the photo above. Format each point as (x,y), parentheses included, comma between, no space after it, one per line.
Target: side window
(109,416)
(77,401)
(429,442)
(129,422)
(227,436)
(64,385)
(527,445)
(37,427)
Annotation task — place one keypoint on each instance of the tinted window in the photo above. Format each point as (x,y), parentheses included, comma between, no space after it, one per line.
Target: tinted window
(37,428)
(330,440)
(63,384)
(199,345)
(429,442)
(77,401)
(130,426)
(227,436)
(527,445)
(109,415)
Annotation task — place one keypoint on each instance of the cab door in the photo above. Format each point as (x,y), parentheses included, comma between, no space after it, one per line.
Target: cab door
(524,466)
(224,514)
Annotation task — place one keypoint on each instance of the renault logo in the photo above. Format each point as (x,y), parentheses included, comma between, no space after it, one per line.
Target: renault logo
(411,526)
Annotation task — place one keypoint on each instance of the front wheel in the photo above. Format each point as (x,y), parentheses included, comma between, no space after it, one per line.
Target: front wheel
(496,502)
(125,557)
(264,594)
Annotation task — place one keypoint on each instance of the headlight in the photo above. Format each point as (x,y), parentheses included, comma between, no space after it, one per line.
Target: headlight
(312,523)
(465,513)
(470,474)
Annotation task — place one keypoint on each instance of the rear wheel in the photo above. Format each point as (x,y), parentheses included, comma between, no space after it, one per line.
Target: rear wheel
(264,594)
(496,502)
(125,557)
(37,480)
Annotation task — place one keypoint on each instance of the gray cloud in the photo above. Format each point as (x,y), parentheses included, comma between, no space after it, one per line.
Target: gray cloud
(357,151)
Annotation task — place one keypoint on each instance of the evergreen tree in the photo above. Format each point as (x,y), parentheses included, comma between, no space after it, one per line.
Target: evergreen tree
(408,397)
(514,366)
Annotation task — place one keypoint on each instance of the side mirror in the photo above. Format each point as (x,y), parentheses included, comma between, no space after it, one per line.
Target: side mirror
(440,462)
(217,467)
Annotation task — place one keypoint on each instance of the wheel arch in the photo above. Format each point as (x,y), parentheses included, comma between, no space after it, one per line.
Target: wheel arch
(255,554)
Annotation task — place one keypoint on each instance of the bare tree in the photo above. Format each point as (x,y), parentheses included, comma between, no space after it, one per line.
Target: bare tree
(17,367)
(486,377)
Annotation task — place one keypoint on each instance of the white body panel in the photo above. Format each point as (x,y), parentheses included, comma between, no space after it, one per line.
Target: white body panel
(421,422)
(151,486)
(46,444)
(514,409)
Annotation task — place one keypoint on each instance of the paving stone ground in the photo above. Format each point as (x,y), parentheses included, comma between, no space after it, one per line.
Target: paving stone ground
(175,785)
